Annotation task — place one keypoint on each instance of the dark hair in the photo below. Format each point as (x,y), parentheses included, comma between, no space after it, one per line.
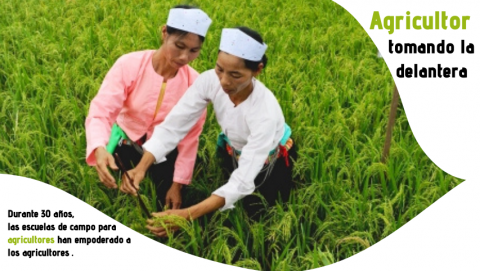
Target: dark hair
(181,33)
(253,65)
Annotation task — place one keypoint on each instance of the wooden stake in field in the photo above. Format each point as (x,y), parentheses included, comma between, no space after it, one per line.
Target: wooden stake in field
(391,122)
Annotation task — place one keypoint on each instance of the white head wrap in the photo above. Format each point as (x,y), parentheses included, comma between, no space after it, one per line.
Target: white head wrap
(190,20)
(237,43)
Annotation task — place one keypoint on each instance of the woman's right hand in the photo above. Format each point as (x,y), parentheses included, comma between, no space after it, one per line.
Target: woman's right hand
(104,161)
(136,175)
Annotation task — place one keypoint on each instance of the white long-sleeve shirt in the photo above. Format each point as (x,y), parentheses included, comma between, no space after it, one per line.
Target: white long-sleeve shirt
(255,127)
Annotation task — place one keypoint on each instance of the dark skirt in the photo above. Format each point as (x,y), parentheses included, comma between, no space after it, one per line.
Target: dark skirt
(274,189)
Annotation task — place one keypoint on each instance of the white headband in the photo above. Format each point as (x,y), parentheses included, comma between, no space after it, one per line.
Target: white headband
(190,20)
(239,44)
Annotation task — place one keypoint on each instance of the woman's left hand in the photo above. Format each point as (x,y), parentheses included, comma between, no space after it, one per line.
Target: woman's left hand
(174,196)
(161,231)
(208,205)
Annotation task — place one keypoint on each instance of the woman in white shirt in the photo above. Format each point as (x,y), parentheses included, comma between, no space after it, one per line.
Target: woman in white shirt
(255,139)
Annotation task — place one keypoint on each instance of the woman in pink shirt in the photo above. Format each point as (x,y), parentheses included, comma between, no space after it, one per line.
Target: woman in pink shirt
(137,94)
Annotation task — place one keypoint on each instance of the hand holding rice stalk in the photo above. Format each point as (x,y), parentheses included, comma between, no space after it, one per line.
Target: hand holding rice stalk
(165,223)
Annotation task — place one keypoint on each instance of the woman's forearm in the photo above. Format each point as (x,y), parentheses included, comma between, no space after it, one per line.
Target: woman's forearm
(147,160)
(209,205)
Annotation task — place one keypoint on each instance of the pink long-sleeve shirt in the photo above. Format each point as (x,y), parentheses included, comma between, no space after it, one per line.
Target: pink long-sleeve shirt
(128,96)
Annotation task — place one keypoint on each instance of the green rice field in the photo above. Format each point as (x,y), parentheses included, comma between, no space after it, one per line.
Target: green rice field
(323,68)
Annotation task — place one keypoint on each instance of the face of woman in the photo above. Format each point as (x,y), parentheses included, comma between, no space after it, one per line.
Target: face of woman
(232,73)
(180,50)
